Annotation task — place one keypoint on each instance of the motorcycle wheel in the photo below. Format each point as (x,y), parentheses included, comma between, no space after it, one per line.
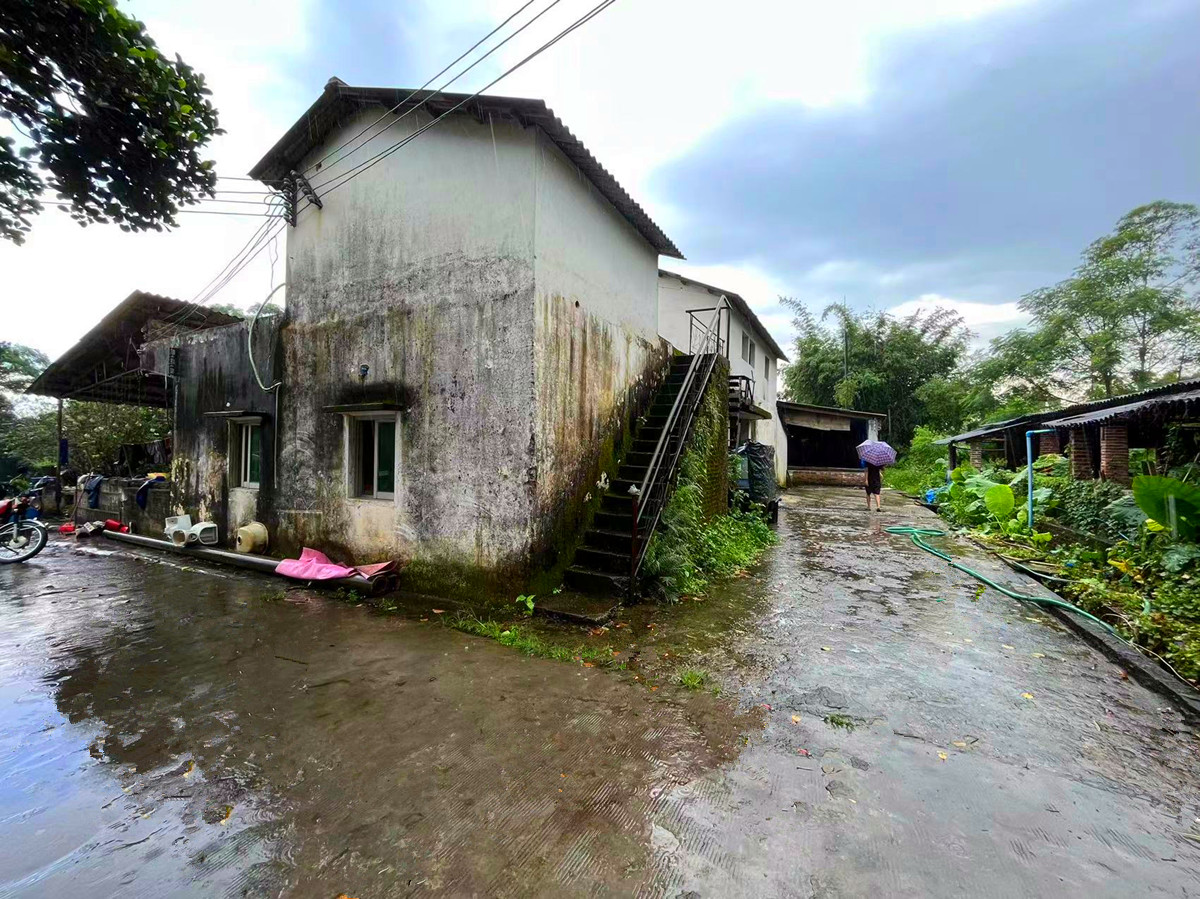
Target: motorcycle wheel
(21,540)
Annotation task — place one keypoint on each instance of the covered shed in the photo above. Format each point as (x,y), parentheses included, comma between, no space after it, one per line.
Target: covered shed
(1095,435)
(107,365)
(821,442)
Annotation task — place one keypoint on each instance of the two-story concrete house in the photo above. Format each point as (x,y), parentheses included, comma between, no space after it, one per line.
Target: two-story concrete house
(470,321)
(686,311)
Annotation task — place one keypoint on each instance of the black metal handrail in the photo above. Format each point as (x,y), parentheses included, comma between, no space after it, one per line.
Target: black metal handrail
(650,498)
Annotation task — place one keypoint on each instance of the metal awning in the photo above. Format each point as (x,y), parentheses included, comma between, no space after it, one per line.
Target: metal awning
(106,366)
(1128,410)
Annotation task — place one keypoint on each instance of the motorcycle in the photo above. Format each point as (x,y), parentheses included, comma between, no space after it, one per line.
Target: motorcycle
(21,538)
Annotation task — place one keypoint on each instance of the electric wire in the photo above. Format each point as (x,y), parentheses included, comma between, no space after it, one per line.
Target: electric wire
(314,166)
(368,163)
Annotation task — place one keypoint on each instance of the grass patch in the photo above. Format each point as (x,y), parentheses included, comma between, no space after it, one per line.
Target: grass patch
(527,642)
(694,679)
(274,596)
(844,722)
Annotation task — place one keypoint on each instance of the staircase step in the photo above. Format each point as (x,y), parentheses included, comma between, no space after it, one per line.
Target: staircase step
(611,540)
(594,559)
(621,522)
(596,582)
(622,485)
(636,459)
(633,473)
(615,502)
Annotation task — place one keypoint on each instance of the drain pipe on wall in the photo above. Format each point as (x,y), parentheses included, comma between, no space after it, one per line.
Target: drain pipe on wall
(274,388)
(1029,467)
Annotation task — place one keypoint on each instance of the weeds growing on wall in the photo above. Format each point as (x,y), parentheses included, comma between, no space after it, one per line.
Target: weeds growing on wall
(688,550)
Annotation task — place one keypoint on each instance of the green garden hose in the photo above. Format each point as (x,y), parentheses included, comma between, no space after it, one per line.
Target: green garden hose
(918,535)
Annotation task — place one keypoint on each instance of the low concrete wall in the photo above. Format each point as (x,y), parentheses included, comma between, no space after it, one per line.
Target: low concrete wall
(829,477)
(118,499)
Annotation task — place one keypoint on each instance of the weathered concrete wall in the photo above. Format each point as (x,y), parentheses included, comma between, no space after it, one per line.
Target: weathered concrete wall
(214,375)
(422,270)
(597,354)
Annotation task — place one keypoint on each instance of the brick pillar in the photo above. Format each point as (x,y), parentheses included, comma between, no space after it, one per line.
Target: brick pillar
(1048,443)
(976,447)
(1081,458)
(1114,453)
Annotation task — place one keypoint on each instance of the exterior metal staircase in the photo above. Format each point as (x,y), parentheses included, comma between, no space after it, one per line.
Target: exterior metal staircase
(614,546)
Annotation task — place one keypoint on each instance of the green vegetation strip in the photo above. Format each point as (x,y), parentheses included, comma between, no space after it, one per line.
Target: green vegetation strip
(918,534)
(529,643)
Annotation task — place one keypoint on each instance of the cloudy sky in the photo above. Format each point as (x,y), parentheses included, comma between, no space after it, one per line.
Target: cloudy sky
(897,154)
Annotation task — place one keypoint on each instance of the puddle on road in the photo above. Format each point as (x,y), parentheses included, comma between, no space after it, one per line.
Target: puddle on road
(170,729)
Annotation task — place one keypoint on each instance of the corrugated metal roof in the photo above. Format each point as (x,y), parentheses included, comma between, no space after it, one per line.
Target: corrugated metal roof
(105,365)
(828,410)
(982,431)
(1081,413)
(738,303)
(339,101)
(1185,399)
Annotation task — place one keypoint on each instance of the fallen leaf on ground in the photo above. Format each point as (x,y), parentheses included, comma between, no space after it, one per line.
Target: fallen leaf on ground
(589,664)
(826,649)
(1006,646)
(652,689)
(967,640)
(1039,655)
(438,611)
(767,706)
(1027,696)
(943,756)
(804,752)
(795,719)
(961,744)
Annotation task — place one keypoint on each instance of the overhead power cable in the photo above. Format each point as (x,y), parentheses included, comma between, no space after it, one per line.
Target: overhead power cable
(368,163)
(314,166)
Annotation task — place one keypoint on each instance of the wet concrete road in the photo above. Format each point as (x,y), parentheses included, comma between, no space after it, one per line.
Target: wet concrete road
(921,742)
(172,732)
(166,731)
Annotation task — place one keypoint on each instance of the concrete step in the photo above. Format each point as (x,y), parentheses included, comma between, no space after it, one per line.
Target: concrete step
(606,560)
(618,521)
(615,502)
(633,473)
(622,485)
(596,582)
(611,540)
(636,460)
(577,608)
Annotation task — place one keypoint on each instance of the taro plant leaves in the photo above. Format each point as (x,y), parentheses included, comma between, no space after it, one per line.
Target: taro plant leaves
(1153,495)
(999,500)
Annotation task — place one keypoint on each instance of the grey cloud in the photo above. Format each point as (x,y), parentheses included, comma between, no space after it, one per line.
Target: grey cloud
(991,153)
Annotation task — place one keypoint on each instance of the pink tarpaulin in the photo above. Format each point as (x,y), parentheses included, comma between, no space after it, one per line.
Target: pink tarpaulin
(313,565)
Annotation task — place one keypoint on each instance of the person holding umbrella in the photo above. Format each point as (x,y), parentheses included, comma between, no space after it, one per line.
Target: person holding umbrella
(875,455)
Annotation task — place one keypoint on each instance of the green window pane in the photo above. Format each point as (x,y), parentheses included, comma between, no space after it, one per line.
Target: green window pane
(254,468)
(386,473)
(366,457)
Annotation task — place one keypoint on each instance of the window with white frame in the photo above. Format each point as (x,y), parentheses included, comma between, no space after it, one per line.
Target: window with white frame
(249,456)
(372,456)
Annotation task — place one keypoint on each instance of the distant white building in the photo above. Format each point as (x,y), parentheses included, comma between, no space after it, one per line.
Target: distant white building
(685,311)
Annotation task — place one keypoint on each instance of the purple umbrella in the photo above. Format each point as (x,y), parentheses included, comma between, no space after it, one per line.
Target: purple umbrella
(876,452)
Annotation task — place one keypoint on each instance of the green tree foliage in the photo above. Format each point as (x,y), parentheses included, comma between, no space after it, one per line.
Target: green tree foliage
(1126,319)
(117,126)
(95,433)
(19,365)
(908,368)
